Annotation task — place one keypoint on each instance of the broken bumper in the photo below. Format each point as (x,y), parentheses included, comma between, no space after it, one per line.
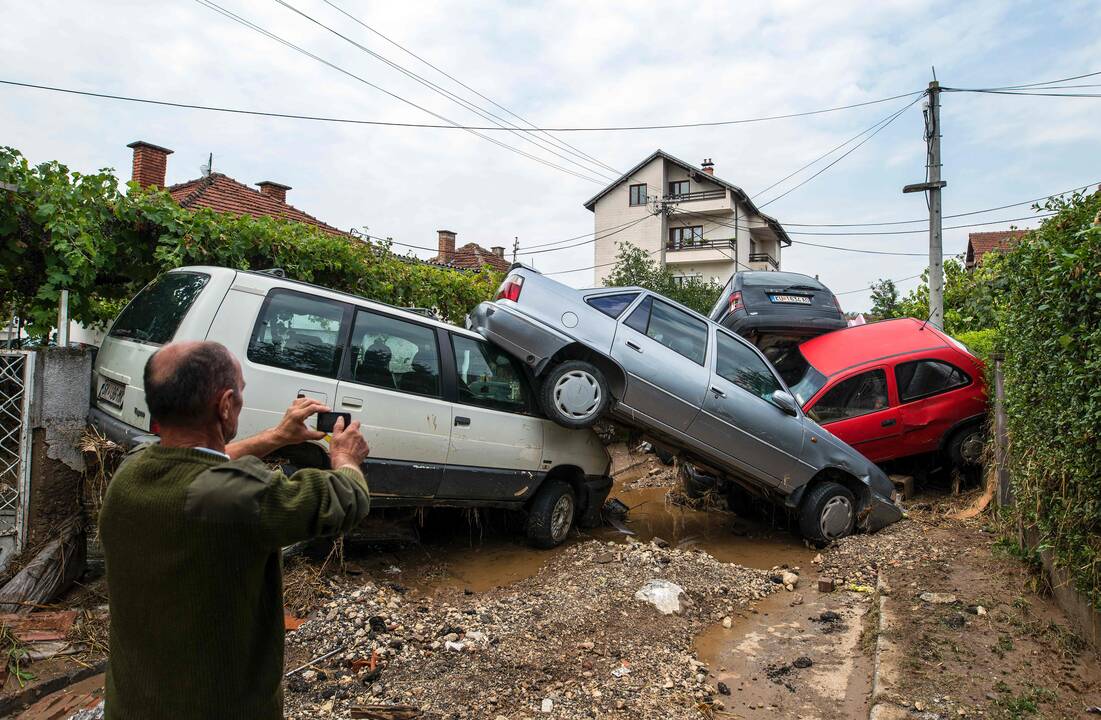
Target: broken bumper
(116,430)
(879,513)
(594,491)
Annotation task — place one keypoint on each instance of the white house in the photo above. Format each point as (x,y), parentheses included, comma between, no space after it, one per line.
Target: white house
(692,222)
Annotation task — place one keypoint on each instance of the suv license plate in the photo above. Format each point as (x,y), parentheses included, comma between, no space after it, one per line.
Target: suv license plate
(111,392)
(797,299)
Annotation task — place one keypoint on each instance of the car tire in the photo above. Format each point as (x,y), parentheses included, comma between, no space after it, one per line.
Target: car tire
(551,514)
(965,448)
(828,513)
(665,456)
(574,394)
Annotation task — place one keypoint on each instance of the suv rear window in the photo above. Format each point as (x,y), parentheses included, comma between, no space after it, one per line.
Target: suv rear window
(154,315)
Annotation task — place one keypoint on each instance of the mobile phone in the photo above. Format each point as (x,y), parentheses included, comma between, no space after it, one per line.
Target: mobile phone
(326,421)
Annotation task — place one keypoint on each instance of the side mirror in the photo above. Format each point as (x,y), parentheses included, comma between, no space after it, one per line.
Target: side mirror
(785,402)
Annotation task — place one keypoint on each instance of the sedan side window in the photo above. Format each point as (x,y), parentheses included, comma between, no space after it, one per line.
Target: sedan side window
(488,377)
(922,378)
(743,367)
(612,305)
(395,354)
(859,395)
(673,328)
(296,331)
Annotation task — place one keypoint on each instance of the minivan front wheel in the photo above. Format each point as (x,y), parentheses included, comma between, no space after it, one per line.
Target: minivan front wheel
(551,514)
(574,394)
(828,513)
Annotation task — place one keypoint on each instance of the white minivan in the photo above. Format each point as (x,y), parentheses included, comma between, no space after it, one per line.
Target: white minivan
(450,418)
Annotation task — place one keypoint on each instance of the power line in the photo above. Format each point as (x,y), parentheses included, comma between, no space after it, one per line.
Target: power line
(870,287)
(1028,93)
(484,114)
(1049,82)
(253,26)
(431,126)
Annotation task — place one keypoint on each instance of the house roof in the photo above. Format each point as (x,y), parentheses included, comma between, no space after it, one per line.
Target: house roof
(473,256)
(772,222)
(980,243)
(222,193)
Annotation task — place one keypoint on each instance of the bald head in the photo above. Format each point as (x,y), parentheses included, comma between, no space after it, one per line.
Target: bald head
(185,380)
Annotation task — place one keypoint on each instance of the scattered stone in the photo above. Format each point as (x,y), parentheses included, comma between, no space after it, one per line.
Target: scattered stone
(802,662)
(938,598)
(727,622)
(789,579)
(663,595)
(547,705)
(825,585)
(724,689)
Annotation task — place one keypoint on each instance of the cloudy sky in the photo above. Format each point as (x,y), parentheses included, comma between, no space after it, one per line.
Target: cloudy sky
(572,64)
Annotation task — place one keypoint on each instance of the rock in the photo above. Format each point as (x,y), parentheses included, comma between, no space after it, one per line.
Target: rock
(547,705)
(938,598)
(797,600)
(660,542)
(604,558)
(663,595)
(980,610)
(817,559)
(802,662)
(790,579)
(825,585)
(724,689)
(727,622)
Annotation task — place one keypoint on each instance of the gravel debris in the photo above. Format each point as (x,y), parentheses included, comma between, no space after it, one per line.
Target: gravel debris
(572,638)
(856,560)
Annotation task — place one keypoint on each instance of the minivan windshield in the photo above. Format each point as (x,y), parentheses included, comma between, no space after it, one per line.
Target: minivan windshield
(780,280)
(157,311)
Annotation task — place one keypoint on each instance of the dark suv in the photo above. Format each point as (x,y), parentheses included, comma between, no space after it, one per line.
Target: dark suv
(772,307)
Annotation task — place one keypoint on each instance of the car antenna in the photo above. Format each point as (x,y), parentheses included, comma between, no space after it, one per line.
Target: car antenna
(926,321)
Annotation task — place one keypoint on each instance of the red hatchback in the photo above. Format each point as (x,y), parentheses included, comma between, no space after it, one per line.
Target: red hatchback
(894,389)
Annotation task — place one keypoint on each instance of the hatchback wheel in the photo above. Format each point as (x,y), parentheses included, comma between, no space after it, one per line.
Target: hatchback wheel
(574,394)
(551,514)
(965,449)
(828,513)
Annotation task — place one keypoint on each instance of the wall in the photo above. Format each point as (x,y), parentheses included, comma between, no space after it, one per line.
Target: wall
(614,209)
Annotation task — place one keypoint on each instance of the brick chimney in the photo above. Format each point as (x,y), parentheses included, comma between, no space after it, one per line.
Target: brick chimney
(274,190)
(447,245)
(498,251)
(150,163)
(708,166)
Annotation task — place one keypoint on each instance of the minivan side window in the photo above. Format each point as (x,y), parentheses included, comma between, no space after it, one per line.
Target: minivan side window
(743,367)
(923,378)
(300,332)
(852,397)
(612,305)
(673,328)
(488,377)
(394,354)
(154,315)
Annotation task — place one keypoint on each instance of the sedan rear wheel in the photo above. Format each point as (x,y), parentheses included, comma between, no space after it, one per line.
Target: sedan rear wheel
(828,513)
(575,394)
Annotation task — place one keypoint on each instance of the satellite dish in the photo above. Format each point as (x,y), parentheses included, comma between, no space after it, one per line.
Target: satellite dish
(206,167)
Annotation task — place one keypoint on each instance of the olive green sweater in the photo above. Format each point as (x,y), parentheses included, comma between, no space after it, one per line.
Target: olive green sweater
(195,577)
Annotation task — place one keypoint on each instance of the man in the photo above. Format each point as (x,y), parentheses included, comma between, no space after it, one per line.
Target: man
(192,529)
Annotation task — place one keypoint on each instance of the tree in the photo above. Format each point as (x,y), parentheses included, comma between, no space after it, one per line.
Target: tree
(884,300)
(634,266)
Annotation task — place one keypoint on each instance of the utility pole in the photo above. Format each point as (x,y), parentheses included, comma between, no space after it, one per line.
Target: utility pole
(515,247)
(933,185)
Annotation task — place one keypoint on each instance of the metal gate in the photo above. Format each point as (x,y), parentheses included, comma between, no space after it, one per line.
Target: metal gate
(16,392)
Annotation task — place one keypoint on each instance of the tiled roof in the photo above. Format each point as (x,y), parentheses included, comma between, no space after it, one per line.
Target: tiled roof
(980,243)
(224,194)
(474,257)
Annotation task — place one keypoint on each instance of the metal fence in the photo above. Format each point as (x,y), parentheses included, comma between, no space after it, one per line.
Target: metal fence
(16,392)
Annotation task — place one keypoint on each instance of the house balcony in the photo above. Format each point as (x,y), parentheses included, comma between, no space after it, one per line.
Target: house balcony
(763,261)
(702,200)
(700,251)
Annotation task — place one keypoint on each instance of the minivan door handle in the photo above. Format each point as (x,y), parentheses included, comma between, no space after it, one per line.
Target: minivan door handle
(461,421)
(888,422)
(352,403)
(634,347)
(718,393)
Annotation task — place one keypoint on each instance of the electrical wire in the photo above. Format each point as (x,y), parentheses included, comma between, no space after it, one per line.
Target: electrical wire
(842,156)
(870,287)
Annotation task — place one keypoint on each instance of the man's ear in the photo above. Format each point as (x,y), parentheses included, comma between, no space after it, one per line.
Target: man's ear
(225,405)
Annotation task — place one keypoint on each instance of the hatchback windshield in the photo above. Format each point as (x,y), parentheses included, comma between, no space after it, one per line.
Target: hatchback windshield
(157,311)
(808,383)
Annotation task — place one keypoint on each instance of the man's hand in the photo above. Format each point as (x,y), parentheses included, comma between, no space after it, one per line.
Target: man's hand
(348,446)
(292,429)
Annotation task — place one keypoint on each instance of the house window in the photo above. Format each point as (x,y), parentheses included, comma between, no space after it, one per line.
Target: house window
(685,237)
(682,280)
(638,194)
(678,187)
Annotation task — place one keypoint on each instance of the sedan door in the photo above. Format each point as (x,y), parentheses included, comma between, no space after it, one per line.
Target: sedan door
(740,421)
(496,442)
(857,408)
(391,384)
(663,349)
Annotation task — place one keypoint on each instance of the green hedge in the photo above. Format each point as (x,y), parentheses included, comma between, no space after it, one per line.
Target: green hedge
(1050,330)
(62,229)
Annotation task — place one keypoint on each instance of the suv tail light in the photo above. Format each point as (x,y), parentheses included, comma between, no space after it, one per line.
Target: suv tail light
(510,288)
(735,301)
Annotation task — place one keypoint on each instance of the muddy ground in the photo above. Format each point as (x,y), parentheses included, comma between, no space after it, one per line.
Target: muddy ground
(471,623)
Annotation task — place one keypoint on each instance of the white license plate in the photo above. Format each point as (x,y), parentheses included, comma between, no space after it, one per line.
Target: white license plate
(111,392)
(797,299)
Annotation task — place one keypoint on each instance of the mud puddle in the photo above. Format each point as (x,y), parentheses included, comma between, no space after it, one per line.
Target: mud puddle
(797,655)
